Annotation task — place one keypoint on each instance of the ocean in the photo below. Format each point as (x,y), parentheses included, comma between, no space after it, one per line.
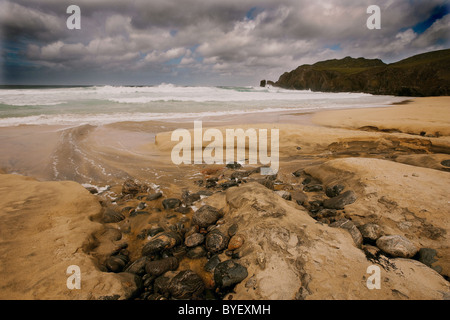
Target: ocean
(98,105)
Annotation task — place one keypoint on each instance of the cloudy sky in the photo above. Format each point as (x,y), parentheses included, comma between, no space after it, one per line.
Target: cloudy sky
(205,42)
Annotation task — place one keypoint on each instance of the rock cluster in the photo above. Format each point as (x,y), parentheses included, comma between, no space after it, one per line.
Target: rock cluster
(161,263)
(199,234)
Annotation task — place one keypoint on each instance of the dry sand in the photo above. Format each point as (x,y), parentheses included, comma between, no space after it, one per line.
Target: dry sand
(393,164)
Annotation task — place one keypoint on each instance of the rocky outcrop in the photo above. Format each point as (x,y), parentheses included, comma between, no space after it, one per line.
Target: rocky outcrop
(420,75)
(288,255)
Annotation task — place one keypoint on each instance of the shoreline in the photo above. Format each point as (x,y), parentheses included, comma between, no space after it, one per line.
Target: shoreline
(385,170)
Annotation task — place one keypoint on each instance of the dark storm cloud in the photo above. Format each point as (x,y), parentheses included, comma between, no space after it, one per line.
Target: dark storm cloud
(213,39)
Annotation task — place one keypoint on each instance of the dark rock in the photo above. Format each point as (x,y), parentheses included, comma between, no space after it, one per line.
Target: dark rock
(116,263)
(340,201)
(138,266)
(112,216)
(268,183)
(315,206)
(310,180)
(161,284)
(162,241)
(232,230)
(194,240)
(141,206)
(186,285)
(241,174)
(211,182)
(351,228)
(234,165)
(397,246)
(428,256)
(298,173)
(229,273)
(159,267)
(216,241)
(262,83)
(190,199)
(445,163)
(329,214)
(171,203)
(130,187)
(135,213)
(299,197)
(371,252)
(92,190)
(183,210)
(334,190)
(196,252)
(154,231)
(204,193)
(313,188)
(212,263)
(154,196)
(229,184)
(205,216)
(199,182)
(370,232)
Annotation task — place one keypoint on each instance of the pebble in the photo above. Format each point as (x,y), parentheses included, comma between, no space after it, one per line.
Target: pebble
(212,263)
(234,165)
(229,273)
(313,188)
(116,263)
(206,216)
(351,228)
(154,196)
(162,241)
(232,230)
(340,201)
(138,266)
(236,242)
(445,163)
(334,191)
(171,203)
(194,240)
(370,232)
(397,246)
(186,285)
(130,187)
(159,267)
(216,241)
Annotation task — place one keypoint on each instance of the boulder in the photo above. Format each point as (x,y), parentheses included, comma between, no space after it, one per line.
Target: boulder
(340,201)
(397,246)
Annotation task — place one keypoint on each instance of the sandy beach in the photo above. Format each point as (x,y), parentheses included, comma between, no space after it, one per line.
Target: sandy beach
(65,201)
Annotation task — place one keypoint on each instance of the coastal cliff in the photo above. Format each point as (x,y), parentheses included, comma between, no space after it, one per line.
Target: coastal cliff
(425,74)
